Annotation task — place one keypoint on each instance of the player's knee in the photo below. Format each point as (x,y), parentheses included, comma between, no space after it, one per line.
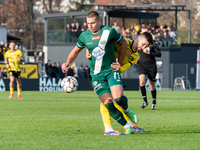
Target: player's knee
(122,101)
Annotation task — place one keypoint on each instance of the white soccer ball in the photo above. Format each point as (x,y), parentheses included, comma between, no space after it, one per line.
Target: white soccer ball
(69,84)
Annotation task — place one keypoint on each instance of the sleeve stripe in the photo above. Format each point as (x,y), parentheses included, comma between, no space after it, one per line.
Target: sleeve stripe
(79,46)
(119,39)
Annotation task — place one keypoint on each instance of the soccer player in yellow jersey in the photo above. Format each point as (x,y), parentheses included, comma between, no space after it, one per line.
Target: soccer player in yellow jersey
(12,59)
(131,57)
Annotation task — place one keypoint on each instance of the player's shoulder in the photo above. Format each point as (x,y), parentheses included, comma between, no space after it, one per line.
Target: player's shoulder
(18,50)
(104,27)
(129,42)
(8,52)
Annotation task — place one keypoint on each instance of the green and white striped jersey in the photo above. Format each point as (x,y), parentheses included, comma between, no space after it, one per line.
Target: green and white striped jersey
(101,46)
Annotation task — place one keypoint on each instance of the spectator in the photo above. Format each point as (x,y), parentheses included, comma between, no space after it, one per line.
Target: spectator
(157,26)
(166,40)
(158,39)
(60,70)
(35,56)
(144,29)
(40,61)
(128,34)
(117,28)
(135,36)
(153,36)
(161,30)
(48,69)
(77,31)
(55,71)
(5,49)
(172,35)
(123,31)
(71,71)
(172,27)
(68,33)
(84,27)
(73,33)
(164,30)
(132,30)
(75,69)
(86,70)
(4,74)
(81,72)
(142,26)
(165,26)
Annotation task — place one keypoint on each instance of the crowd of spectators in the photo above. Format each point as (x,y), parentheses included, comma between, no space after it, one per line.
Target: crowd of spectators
(54,70)
(164,35)
(73,31)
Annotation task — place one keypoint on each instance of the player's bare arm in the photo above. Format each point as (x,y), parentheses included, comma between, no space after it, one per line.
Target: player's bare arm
(122,52)
(72,56)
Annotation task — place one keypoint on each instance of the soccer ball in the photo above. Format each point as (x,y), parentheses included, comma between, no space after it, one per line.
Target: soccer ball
(69,84)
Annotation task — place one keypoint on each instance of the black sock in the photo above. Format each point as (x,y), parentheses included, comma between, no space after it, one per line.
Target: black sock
(143,91)
(153,93)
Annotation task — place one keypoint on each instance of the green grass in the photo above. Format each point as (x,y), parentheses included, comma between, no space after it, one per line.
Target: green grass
(57,120)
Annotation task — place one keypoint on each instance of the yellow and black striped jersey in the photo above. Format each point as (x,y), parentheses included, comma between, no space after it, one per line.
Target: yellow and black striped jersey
(130,58)
(13,59)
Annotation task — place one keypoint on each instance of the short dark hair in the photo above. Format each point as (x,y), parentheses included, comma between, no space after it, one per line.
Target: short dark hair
(92,14)
(12,42)
(148,36)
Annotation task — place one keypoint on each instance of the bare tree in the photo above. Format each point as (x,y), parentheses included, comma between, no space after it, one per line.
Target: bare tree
(21,19)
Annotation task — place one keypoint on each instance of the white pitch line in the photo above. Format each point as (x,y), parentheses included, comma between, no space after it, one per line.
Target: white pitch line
(96,99)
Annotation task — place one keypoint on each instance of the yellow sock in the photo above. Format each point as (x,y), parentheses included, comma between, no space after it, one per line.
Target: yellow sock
(105,116)
(121,110)
(19,91)
(11,90)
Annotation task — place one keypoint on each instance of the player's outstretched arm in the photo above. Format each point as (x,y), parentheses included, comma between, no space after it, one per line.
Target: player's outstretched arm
(72,56)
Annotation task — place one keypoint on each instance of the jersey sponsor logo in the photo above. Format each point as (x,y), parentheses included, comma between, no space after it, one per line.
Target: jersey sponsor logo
(128,50)
(89,43)
(96,38)
(98,53)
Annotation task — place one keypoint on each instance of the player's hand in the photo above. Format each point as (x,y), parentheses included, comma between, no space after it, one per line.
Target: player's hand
(19,58)
(65,67)
(146,50)
(88,55)
(116,65)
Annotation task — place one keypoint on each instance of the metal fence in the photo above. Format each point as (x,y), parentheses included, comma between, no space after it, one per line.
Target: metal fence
(186,71)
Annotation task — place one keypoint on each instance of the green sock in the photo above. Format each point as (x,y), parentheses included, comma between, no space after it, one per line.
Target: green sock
(116,114)
(122,101)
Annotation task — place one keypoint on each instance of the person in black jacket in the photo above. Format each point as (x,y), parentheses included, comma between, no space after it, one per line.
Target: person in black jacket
(147,66)
(48,69)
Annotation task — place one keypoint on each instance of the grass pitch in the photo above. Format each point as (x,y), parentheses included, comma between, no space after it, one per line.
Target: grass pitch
(57,120)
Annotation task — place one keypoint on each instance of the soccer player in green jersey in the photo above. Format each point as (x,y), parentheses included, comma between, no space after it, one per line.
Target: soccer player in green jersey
(131,57)
(99,40)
